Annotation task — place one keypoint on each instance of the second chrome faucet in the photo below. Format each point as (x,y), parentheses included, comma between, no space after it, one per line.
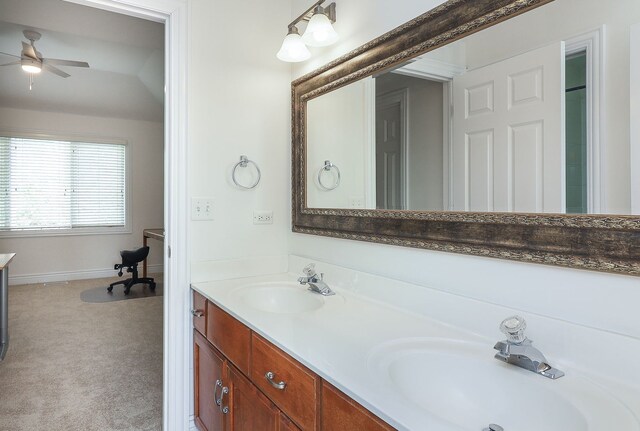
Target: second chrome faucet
(517,349)
(316,284)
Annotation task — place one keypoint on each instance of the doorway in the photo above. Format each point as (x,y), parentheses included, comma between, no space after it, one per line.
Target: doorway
(177,336)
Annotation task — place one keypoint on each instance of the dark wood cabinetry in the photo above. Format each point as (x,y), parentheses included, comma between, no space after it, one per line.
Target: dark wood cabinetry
(250,409)
(245,383)
(229,336)
(208,367)
(339,412)
(293,387)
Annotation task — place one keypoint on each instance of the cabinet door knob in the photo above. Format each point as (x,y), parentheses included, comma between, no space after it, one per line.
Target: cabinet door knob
(269,376)
(197,313)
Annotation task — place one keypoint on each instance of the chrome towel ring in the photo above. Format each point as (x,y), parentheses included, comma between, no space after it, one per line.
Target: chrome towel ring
(243,163)
(327,167)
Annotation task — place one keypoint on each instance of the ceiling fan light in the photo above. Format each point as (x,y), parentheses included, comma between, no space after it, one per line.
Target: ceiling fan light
(293,49)
(319,31)
(31,66)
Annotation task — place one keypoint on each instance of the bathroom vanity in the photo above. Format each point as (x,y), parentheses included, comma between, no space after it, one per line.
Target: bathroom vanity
(235,387)
(269,354)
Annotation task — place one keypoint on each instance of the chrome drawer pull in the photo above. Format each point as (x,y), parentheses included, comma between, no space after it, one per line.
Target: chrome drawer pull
(223,390)
(215,392)
(197,313)
(269,376)
(224,409)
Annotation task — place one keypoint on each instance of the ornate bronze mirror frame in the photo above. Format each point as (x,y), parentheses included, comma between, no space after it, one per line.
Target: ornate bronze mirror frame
(595,242)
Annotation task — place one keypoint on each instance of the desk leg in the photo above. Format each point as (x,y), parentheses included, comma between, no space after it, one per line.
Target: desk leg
(4,312)
(144,262)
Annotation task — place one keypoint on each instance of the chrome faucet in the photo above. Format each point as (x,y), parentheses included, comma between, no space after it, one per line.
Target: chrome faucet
(316,284)
(518,350)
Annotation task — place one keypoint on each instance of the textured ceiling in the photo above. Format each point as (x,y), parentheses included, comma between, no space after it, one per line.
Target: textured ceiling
(125,54)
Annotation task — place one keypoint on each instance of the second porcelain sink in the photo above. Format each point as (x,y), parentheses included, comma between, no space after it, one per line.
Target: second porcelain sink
(278,297)
(463,387)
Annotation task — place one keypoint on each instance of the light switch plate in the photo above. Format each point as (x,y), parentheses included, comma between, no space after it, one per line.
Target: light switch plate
(201,208)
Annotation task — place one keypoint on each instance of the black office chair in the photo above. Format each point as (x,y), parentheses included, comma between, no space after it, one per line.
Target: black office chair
(130,260)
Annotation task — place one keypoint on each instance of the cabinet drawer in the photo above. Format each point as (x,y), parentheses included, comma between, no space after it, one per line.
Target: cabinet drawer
(299,395)
(199,312)
(339,412)
(229,336)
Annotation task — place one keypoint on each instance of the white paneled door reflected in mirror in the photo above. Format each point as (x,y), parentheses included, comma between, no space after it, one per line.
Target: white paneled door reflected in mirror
(492,122)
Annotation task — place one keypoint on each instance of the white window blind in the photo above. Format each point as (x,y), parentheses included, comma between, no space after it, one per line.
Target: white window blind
(54,184)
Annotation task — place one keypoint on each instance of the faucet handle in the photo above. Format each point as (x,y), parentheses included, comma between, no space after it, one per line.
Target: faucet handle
(310,270)
(513,327)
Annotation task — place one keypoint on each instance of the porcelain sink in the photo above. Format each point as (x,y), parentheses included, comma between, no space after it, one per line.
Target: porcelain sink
(462,387)
(278,297)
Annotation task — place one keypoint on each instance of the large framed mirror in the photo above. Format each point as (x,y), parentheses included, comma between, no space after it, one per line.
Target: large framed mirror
(500,128)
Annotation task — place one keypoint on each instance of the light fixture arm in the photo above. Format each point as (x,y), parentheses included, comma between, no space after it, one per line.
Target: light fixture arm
(329,11)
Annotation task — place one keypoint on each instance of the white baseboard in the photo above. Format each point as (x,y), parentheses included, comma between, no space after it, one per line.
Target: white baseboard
(53,277)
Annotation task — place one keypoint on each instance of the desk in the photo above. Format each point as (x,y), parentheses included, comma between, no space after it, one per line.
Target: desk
(157,234)
(5,258)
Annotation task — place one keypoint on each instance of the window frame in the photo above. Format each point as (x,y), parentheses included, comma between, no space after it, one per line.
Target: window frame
(92,139)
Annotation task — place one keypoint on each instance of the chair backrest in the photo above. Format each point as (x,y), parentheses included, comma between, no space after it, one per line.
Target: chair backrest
(132,257)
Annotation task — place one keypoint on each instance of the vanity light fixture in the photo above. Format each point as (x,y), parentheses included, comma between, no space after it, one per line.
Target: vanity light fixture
(319,32)
(293,48)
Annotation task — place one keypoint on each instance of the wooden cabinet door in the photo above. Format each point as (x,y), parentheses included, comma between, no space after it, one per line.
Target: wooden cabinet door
(249,409)
(286,424)
(207,370)
(340,412)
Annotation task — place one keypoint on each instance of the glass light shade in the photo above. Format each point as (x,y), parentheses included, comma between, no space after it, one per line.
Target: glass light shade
(31,66)
(319,31)
(31,69)
(293,49)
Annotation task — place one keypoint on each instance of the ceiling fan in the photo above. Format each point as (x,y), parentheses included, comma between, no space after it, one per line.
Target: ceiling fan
(33,62)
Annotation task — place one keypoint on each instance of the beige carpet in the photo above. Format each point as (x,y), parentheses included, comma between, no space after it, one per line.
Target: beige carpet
(72,365)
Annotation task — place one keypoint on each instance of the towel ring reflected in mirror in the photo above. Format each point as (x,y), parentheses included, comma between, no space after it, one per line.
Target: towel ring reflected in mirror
(328,166)
(243,163)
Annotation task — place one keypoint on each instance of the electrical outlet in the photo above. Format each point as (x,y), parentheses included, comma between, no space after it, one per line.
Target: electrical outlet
(263,217)
(356,202)
(201,208)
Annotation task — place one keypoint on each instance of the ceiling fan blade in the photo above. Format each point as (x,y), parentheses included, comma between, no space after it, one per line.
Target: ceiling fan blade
(10,64)
(65,62)
(10,55)
(55,70)
(28,51)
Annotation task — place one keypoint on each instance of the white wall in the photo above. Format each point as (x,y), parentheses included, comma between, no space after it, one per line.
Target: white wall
(238,96)
(527,287)
(635,113)
(87,256)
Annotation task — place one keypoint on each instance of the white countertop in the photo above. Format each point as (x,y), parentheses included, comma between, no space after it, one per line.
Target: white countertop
(336,341)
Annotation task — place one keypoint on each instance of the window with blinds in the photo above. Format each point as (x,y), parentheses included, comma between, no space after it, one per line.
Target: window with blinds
(48,184)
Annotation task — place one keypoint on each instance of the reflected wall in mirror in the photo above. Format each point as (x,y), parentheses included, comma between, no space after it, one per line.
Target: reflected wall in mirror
(532,115)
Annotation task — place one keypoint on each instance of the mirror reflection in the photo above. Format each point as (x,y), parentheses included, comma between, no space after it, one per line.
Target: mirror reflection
(541,123)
